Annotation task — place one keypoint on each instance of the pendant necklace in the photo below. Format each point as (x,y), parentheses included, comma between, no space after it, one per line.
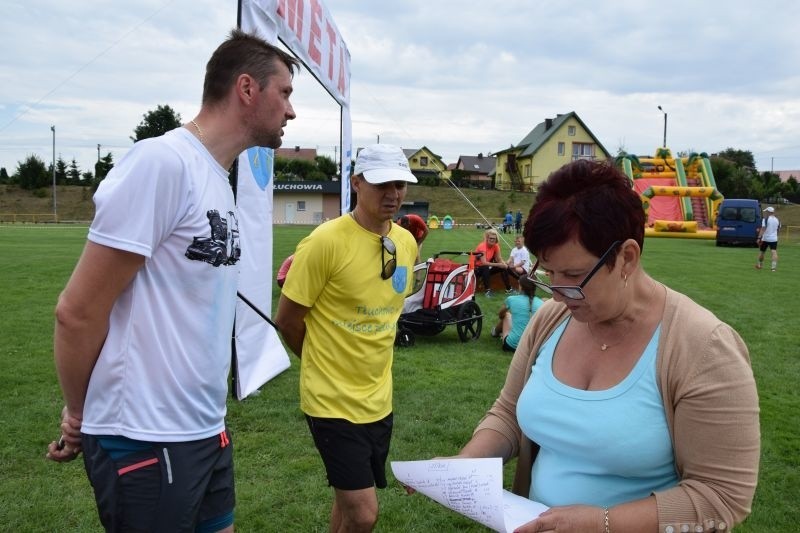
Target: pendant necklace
(604,346)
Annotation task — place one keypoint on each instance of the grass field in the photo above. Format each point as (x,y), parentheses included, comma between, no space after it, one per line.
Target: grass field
(442,388)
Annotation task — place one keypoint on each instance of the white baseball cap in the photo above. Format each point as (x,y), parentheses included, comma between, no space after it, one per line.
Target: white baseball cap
(381,163)
(770,209)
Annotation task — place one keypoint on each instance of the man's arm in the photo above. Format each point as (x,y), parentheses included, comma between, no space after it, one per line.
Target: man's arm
(291,323)
(82,316)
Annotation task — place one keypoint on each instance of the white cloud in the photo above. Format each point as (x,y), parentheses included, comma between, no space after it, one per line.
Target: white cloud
(459,77)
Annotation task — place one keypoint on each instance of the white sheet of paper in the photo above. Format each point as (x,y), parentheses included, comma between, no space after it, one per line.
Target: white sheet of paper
(518,510)
(471,487)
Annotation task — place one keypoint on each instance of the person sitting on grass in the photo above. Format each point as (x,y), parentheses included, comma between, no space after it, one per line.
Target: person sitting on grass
(514,316)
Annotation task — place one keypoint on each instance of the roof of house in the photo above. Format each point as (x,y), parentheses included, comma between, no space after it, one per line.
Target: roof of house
(480,164)
(412,151)
(306,154)
(784,175)
(534,140)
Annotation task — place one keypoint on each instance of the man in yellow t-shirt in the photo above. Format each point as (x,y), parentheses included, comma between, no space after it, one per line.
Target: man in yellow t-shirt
(338,312)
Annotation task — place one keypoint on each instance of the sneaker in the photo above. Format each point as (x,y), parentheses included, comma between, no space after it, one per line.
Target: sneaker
(489,294)
(495,333)
(758,267)
(774,269)
(509,291)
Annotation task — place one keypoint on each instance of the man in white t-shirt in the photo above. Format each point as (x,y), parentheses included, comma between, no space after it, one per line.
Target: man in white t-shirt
(768,238)
(143,329)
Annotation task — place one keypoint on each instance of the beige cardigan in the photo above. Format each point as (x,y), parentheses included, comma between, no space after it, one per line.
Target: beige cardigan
(711,404)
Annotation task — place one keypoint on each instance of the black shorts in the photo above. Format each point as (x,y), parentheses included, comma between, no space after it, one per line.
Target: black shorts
(771,245)
(169,487)
(354,454)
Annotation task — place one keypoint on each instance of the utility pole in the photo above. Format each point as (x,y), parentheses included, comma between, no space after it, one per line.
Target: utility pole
(665,125)
(55,210)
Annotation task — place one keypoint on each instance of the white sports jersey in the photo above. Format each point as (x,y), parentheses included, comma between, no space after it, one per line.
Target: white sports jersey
(163,370)
(771,225)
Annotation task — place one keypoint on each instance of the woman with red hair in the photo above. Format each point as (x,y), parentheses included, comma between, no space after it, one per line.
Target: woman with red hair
(629,407)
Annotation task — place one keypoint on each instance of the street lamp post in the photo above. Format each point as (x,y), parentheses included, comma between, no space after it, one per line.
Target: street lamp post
(665,125)
(55,210)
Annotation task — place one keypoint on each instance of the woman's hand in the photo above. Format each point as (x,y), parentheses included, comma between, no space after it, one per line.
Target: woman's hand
(570,519)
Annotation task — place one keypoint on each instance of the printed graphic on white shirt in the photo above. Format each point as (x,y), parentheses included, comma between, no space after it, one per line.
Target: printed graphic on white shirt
(222,247)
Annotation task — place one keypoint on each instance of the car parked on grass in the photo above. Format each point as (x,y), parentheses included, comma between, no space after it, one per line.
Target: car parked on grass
(738,221)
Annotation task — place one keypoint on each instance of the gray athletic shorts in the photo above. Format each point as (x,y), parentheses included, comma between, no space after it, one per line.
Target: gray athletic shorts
(168,486)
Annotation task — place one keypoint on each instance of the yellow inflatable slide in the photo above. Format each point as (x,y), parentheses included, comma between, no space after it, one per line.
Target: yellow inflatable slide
(679,195)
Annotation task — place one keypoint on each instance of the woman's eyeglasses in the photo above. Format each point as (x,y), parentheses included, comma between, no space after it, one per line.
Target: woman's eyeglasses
(573,292)
(388,267)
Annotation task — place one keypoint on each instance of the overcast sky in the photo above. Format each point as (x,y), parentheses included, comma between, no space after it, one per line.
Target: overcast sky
(460,77)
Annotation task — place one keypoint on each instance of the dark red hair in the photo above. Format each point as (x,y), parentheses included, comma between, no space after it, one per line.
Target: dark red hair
(589,201)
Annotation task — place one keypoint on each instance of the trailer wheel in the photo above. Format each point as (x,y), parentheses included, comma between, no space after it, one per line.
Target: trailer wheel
(470,322)
(404,338)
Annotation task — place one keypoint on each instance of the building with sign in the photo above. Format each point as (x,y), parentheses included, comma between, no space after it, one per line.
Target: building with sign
(305,202)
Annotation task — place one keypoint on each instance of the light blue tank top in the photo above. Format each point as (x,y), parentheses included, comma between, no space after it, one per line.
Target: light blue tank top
(597,447)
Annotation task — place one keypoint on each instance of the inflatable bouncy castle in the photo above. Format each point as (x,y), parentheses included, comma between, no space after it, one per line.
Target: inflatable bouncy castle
(679,195)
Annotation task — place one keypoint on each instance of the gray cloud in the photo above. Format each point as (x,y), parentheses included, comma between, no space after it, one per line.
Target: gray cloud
(458,77)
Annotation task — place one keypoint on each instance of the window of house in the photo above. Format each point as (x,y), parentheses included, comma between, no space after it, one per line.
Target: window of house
(527,170)
(562,148)
(571,131)
(423,161)
(582,151)
(301,205)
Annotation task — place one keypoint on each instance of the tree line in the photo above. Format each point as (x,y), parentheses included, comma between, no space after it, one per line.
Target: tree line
(736,176)
(33,173)
(734,170)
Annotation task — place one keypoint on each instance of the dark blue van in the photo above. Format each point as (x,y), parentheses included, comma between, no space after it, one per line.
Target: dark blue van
(738,222)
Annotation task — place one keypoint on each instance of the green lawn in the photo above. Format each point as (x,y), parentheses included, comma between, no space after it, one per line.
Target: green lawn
(442,388)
